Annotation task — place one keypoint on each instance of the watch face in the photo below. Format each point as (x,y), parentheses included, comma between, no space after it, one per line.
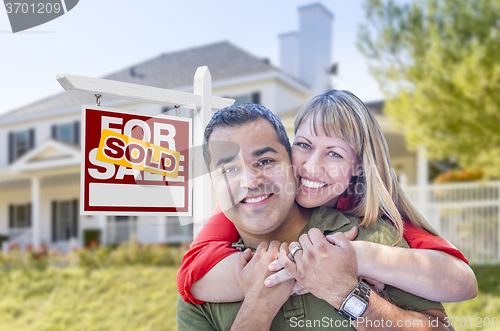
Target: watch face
(354,306)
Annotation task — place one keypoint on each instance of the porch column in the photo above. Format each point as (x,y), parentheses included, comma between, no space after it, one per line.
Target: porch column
(162,229)
(422,167)
(35,210)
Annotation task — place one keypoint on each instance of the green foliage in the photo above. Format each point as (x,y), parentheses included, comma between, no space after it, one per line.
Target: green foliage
(111,299)
(438,63)
(93,257)
(144,298)
(91,236)
(130,253)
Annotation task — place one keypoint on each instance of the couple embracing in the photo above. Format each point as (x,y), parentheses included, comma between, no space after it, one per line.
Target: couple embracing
(323,229)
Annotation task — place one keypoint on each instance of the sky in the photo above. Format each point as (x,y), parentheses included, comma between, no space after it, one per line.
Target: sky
(100,37)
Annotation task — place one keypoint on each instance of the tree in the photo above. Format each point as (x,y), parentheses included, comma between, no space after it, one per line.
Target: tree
(438,64)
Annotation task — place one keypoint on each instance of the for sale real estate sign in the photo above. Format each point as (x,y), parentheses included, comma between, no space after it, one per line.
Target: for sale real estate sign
(135,164)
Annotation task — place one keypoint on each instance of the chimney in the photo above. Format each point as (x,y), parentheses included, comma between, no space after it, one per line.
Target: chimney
(289,53)
(315,46)
(306,54)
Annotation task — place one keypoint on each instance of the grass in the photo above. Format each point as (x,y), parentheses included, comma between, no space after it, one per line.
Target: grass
(486,304)
(116,298)
(144,298)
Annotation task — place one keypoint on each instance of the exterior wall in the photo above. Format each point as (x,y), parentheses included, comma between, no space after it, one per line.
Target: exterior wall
(275,95)
(287,99)
(264,87)
(12,194)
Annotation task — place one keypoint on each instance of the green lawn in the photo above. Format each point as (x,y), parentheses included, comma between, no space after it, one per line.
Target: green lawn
(144,298)
(72,299)
(486,304)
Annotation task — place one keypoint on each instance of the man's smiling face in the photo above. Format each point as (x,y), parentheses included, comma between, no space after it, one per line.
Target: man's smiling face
(254,184)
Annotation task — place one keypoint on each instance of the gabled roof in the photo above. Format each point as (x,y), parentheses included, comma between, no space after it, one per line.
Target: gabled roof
(48,155)
(171,70)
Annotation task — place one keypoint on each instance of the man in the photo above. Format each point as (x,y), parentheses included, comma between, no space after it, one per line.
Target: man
(255,186)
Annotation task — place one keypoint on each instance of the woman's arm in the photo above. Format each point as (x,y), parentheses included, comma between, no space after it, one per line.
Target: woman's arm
(220,284)
(212,245)
(433,269)
(430,274)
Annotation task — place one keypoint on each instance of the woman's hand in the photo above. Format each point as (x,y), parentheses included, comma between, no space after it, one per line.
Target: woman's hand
(282,275)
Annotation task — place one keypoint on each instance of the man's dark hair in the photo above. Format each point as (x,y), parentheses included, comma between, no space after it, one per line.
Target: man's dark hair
(240,114)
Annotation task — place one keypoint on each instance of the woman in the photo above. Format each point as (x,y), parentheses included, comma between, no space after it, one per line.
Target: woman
(341,161)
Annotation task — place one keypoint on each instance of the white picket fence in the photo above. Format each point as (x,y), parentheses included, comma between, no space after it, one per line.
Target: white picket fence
(467,214)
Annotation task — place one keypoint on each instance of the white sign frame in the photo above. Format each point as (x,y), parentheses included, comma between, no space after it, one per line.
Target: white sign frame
(189,213)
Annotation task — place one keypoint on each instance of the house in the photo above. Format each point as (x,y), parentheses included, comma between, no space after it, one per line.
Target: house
(40,145)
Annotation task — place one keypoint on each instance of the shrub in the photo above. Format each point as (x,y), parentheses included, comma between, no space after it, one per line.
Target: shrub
(453,176)
(94,256)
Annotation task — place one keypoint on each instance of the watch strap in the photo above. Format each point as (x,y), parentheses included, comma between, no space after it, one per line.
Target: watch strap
(361,292)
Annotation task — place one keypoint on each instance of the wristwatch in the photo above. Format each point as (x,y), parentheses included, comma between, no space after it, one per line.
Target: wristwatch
(356,302)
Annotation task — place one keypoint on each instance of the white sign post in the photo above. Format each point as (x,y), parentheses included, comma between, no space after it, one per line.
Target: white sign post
(201,101)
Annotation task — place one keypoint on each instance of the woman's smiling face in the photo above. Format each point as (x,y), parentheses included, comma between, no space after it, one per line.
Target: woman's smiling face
(323,166)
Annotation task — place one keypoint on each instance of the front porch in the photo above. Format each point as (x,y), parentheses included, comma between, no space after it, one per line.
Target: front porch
(104,230)
(39,204)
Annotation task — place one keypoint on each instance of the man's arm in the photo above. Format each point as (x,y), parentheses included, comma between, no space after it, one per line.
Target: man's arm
(261,303)
(329,271)
(388,316)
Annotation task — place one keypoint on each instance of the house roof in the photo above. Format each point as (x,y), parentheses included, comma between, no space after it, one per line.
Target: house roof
(376,107)
(170,70)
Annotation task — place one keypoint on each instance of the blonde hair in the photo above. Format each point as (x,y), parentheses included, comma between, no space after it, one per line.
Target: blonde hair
(377,192)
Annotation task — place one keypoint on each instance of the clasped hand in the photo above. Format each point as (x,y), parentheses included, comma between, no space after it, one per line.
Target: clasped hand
(252,269)
(326,266)
(324,269)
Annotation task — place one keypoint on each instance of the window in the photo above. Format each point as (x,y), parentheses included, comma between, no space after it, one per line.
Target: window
(253,98)
(177,232)
(65,133)
(20,216)
(20,142)
(68,132)
(64,220)
(242,99)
